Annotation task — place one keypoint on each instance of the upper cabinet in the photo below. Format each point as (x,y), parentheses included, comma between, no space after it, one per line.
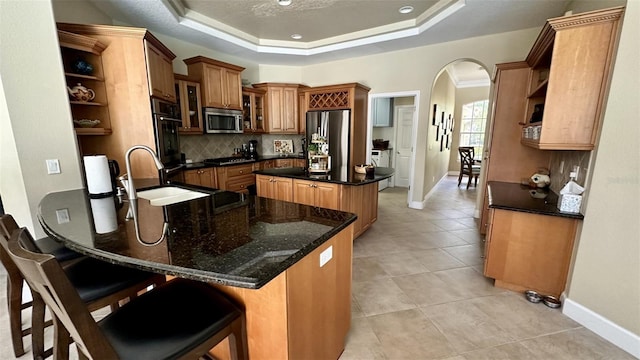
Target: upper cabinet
(382,112)
(82,61)
(188,98)
(253,110)
(281,107)
(220,82)
(571,65)
(160,69)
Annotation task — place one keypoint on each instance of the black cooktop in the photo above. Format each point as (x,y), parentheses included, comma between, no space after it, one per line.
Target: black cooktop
(228,160)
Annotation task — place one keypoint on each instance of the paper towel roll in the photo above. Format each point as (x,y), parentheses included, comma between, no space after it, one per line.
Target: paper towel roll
(96,169)
(104,215)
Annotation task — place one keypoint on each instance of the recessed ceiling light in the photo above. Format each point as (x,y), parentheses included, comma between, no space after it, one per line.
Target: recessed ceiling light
(284,2)
(296,36)
(405,9)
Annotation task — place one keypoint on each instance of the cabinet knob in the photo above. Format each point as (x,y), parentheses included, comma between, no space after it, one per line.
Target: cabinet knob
(241,171)
(242,186)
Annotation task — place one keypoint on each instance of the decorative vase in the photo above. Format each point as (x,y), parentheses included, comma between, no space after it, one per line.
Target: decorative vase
(82,67)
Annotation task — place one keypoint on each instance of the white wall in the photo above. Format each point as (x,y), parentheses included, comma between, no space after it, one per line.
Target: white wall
(35,116)
(605,280)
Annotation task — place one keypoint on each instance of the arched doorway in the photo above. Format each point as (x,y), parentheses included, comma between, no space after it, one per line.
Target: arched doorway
(460,99)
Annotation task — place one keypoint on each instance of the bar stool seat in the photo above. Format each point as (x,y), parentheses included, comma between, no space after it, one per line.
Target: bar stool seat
(170,321)
(98,283)
(180,319)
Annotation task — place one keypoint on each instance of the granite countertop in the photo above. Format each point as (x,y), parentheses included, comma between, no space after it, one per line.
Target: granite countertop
(337,176)
(517,197)
(227,238)
(200,165)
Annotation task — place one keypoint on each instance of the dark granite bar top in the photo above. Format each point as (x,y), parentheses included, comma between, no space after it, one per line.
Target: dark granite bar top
(200,165)
(517,197)
(337,176)
(226,237)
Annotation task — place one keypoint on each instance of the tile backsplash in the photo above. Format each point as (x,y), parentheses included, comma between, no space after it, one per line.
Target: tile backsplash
(200,147)
(570,159)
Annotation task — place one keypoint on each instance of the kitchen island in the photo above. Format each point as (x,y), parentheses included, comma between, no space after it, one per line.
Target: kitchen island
(340,189)
(288,265)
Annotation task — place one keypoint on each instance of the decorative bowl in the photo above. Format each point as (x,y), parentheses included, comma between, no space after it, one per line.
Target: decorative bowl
(86,123)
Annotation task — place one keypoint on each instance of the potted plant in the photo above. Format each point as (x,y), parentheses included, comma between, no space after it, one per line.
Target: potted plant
(312,149)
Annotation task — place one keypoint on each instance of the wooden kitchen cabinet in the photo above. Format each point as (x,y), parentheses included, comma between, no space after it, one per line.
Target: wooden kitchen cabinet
(316,193)
(303,313)
(506,159)
(361,200)
(127,85)
(302,111)
(220,82)
(188,98)
(253,116)
(202,177)
(160,69)
(571,64)
(236,178)
(281,107)
(274,187)
(526,251)
(75,47)
(351,96)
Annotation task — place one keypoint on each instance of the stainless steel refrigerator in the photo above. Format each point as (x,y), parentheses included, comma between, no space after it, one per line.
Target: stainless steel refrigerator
(334,126)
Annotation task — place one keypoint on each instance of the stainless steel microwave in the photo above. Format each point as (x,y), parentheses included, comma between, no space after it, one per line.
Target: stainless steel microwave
(222,121)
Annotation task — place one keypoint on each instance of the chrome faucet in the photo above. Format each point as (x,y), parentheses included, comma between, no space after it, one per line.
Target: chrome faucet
(130,188)
(127,180)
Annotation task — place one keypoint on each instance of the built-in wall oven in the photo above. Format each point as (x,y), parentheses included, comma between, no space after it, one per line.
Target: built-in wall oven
(166,123)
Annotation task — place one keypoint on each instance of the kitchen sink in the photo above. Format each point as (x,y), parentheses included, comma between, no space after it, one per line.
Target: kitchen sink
(168,195)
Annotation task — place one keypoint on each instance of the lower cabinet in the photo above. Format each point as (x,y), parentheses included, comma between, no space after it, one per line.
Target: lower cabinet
(305,312)
(361,200)
(236,178)
(526,251)
(202,177)
(316,193)
(274,187)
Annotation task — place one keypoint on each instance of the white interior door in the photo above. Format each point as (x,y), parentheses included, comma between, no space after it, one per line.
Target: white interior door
(403,145)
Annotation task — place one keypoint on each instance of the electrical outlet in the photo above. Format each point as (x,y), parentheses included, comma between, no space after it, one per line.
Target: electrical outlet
(575,172)
(53,166)
(326,255)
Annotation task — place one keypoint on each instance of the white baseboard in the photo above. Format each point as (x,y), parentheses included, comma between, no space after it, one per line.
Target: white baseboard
(617,335)
(421,204)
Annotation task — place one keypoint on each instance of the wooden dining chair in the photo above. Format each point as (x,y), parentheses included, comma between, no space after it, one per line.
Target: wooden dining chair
(468,165)
(99,284)
(180,319)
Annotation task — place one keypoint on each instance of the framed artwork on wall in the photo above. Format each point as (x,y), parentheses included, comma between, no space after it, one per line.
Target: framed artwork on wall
(435,114)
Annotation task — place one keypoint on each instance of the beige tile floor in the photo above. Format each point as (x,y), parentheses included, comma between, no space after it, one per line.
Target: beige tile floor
(419,293)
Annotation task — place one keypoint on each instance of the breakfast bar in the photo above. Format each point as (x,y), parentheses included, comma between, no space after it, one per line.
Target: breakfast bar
(288,265)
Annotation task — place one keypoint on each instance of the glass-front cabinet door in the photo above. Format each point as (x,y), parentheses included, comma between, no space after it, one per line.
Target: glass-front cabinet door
(188,94)
(253,110)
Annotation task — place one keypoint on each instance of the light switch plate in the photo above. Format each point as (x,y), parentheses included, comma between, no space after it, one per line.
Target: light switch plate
(63,216)
(326,255)
(53,166)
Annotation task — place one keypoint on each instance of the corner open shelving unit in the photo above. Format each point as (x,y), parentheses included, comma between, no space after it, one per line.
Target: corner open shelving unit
(74,47)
